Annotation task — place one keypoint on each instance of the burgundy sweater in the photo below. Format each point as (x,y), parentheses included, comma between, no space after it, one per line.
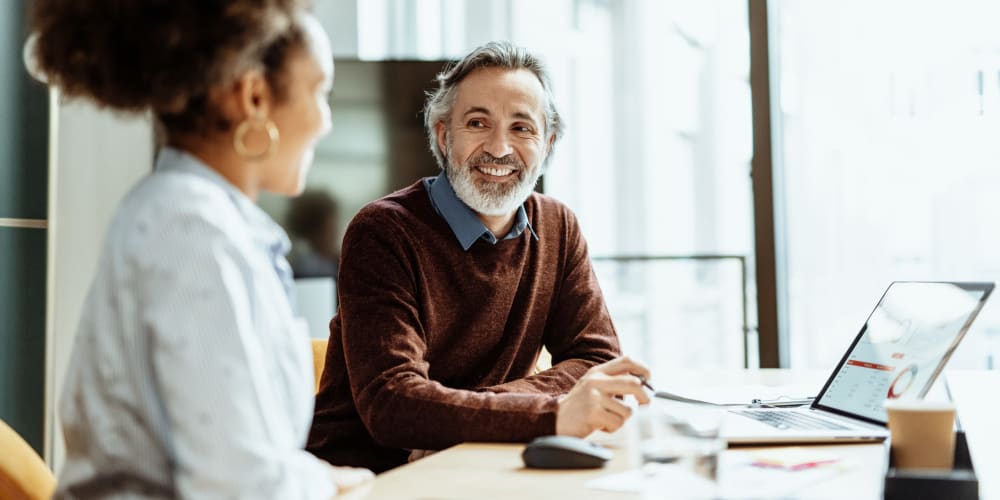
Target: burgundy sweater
(433,345)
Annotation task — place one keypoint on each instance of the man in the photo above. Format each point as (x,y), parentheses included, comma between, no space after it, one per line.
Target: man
(450,288)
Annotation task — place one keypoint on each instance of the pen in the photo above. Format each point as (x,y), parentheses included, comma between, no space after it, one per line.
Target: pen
(781,401)
(645,384)
(682,399)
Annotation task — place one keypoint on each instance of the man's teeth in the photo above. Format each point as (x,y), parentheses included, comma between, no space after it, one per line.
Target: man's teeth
(497,172)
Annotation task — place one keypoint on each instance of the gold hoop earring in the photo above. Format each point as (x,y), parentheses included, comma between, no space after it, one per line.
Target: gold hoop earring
(246,126)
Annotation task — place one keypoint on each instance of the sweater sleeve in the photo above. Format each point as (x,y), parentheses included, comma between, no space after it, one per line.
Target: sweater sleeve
(384,350)
(579,333)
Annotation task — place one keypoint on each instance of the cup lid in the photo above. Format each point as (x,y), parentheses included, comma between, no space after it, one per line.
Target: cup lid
(918,405)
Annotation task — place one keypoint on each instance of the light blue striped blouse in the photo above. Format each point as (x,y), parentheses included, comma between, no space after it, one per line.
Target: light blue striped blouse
(190,377)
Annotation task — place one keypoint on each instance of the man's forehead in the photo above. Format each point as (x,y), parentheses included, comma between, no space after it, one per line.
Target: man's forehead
(519,90)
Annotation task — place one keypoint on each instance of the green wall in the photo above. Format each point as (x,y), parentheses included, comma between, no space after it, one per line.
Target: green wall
(23,195)
(22,331)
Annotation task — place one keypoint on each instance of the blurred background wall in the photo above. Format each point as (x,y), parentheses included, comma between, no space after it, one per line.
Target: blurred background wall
(885,146)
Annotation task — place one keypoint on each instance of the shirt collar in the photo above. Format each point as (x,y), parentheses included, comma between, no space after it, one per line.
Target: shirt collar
(521,223)
(263,228)
(462,220)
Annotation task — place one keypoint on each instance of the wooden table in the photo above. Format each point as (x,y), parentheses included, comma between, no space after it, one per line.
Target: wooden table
(495,471)
(977,397)
(479,470)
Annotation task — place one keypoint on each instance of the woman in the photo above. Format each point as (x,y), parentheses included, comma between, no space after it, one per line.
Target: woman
(189,375)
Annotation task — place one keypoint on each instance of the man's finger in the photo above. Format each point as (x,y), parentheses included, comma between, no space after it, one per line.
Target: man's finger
(615,406)
(609,421)
(621,385)
(624,365)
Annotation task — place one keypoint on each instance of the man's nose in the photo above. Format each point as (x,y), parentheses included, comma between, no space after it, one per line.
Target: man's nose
(498,144)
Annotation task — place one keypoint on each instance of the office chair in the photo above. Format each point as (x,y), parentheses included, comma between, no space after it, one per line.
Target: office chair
(319,359)
(23,474)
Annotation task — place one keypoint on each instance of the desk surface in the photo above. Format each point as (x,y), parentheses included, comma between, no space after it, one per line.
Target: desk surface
(480,470)
(496,471)
(975,396)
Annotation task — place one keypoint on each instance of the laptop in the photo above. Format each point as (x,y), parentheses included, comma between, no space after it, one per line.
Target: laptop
(900,351)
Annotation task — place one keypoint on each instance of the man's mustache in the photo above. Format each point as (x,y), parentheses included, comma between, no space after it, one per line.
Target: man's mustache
(486,158)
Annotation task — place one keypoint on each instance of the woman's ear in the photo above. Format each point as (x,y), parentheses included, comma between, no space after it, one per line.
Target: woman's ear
(247,97)
(253,95)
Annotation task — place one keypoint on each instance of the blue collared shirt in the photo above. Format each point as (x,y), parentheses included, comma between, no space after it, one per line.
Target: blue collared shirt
(463,221)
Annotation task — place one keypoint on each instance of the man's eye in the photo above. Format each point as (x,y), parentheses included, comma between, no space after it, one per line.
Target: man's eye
(476,123)
(522,128)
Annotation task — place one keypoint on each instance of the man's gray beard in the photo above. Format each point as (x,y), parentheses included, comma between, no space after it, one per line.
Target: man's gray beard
(490,199)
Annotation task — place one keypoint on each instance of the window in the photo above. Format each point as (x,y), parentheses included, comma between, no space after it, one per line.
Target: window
(655,163)
(890,113)
(656,166)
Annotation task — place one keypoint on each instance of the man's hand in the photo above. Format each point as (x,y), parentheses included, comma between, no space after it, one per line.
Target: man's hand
(595,403)
(350,479)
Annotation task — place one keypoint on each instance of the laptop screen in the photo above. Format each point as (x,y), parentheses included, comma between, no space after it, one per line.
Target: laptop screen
(902,347)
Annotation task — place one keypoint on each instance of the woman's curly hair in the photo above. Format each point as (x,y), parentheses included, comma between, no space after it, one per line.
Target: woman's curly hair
(162,55)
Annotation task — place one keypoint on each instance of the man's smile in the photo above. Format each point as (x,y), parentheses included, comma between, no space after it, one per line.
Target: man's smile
(495,171)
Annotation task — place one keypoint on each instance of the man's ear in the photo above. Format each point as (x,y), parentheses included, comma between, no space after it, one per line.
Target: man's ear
(548,147)
(441,131)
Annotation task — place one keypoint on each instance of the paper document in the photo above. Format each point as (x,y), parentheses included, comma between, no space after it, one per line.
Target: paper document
(738,477)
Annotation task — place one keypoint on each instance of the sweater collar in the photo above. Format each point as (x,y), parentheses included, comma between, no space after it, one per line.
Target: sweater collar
(463,220)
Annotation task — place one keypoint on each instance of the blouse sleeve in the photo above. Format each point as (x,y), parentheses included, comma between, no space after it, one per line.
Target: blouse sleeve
(228,434)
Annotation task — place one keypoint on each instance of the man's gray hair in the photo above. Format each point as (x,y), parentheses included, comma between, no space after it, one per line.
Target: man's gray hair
(497,54)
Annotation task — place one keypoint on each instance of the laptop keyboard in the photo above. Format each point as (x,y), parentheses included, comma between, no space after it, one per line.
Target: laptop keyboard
(787,419)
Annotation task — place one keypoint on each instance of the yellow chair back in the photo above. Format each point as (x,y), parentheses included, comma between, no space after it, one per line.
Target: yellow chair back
(319,359)
(23,474)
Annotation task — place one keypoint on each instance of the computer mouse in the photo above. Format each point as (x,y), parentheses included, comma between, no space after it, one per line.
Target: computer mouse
(564,452)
